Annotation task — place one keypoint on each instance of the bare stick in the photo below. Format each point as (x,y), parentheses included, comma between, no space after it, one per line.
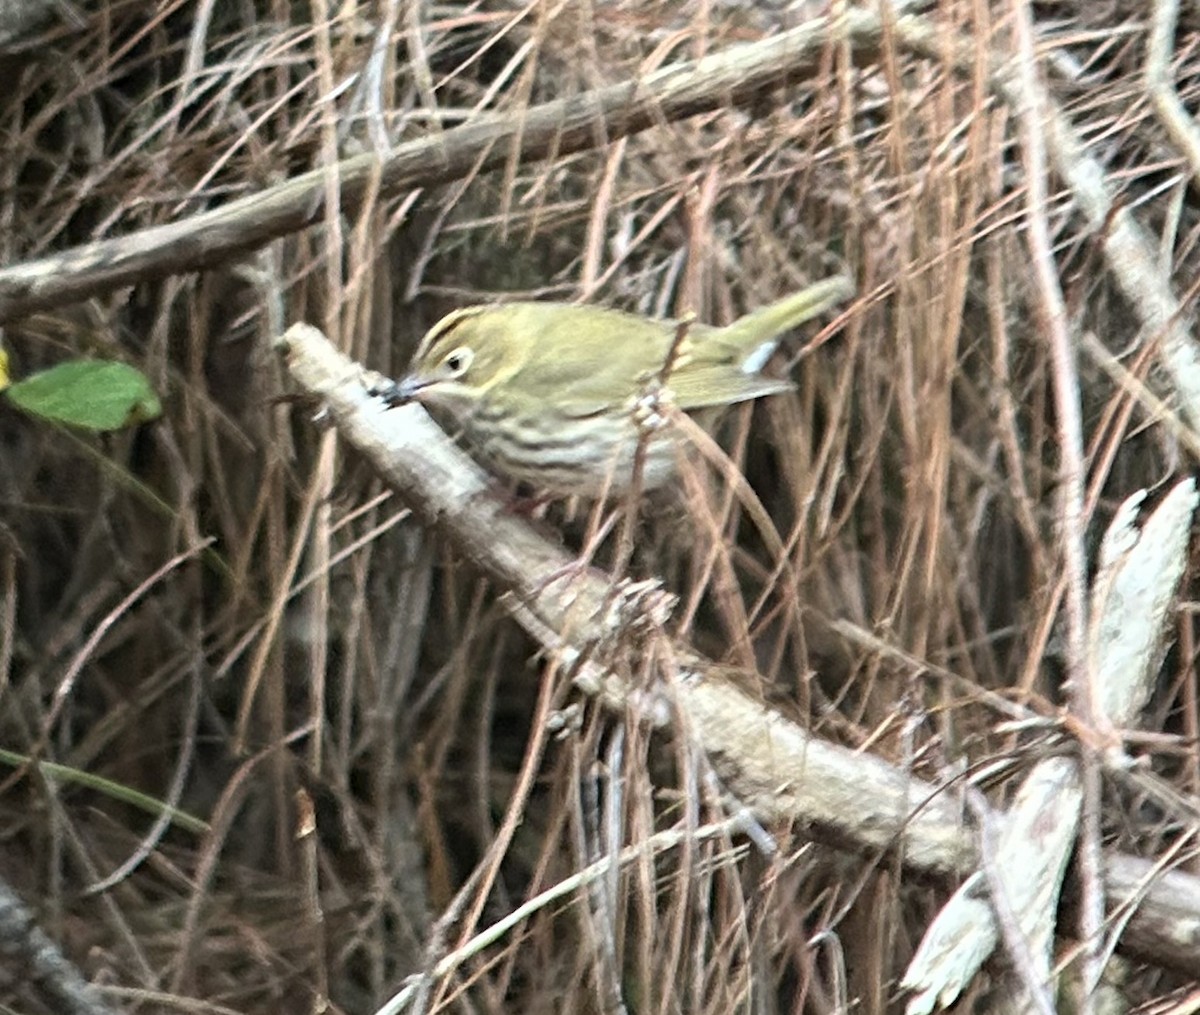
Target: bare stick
(777,769)
(733,77)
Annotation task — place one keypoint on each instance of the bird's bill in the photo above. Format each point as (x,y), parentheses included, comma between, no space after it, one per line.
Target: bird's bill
(410,387)
(401,392)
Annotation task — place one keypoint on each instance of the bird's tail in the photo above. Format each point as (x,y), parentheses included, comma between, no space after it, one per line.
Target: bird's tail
(756,332)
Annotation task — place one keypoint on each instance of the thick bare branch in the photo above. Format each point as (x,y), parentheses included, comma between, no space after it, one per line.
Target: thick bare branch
(775,767)
(733,77)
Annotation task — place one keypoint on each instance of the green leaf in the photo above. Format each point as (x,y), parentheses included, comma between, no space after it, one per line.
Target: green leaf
(89,393)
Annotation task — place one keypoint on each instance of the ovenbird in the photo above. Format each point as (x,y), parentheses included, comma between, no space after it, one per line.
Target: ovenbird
(557,394)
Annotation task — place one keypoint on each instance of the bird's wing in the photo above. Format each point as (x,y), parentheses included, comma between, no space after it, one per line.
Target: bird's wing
(588,360)
(700,387)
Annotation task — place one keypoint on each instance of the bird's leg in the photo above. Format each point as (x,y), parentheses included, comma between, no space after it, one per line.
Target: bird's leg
(530,505)
(581,563)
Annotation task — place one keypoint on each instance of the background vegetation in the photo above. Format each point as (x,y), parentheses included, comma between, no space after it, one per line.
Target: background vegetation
(225,612)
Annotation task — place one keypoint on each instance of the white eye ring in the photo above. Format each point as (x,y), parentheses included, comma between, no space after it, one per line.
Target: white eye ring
(459,361)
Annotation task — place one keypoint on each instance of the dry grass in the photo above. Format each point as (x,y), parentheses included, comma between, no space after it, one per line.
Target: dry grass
(345,701)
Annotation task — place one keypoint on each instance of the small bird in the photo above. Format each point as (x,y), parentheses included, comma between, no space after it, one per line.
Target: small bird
(560,395)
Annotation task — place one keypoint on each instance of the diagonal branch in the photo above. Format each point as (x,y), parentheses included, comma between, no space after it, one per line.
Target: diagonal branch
(736,76)
(775,767)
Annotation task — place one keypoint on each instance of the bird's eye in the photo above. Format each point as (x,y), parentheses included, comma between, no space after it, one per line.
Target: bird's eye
(456,362)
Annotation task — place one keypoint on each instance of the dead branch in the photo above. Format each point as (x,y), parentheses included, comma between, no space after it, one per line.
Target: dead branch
(734,77)
(29,955)
(776,768)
